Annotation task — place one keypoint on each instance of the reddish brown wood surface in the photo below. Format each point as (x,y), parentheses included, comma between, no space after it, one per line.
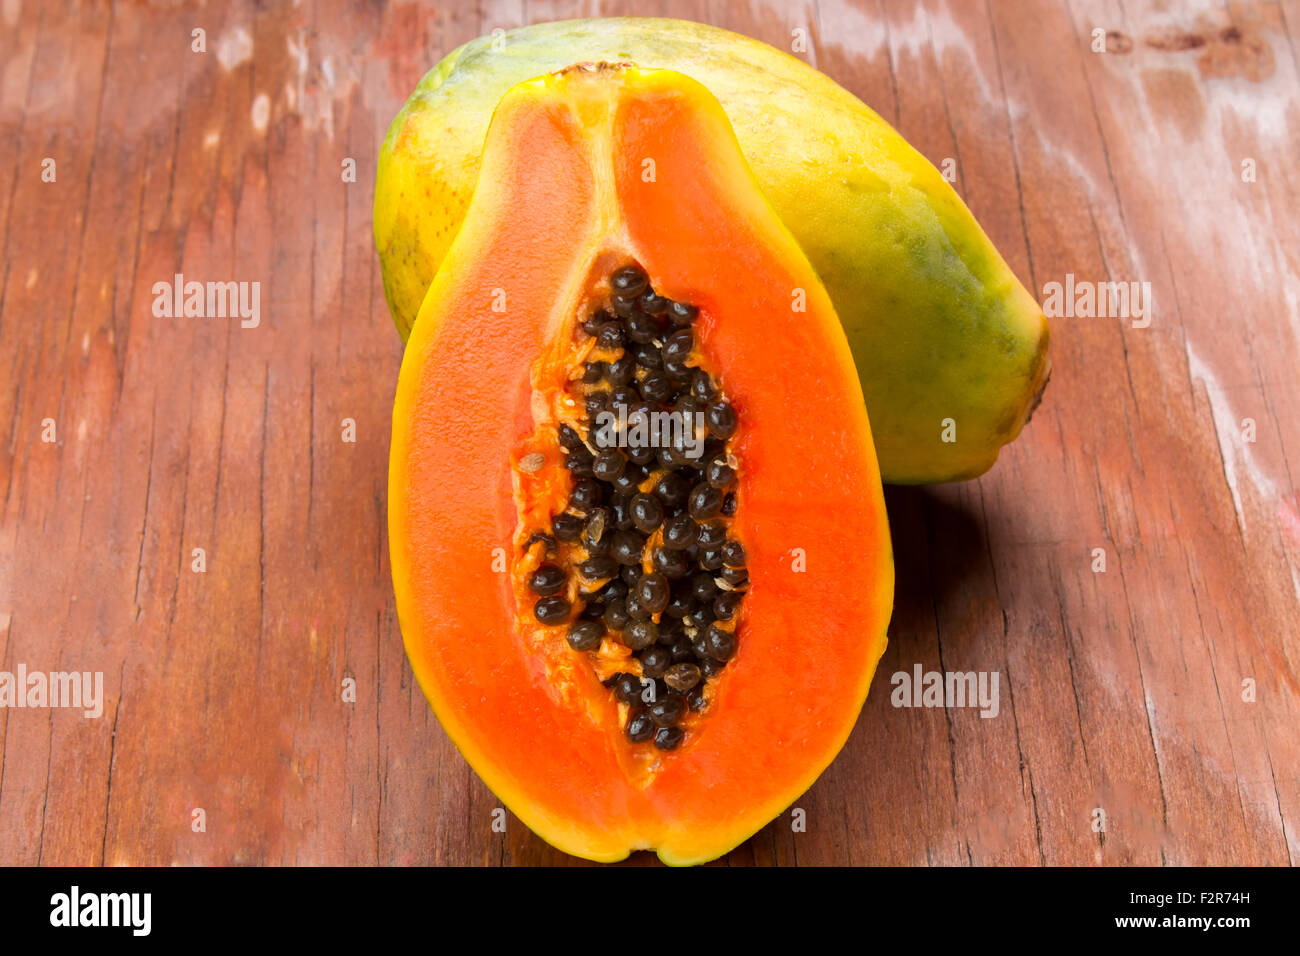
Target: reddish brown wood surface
(1121,690)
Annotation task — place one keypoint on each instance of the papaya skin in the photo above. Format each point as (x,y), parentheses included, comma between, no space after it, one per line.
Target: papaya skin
(562,203)
(939,325)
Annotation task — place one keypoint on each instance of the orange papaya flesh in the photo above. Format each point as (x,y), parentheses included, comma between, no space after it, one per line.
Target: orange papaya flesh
(586,172)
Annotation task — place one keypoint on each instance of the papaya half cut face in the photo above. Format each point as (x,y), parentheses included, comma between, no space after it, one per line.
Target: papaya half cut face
(638,538)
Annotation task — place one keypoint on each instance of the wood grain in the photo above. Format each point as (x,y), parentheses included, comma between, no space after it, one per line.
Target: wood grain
(1121,690)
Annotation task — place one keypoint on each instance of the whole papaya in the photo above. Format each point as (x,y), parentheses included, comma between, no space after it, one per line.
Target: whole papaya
(950,347)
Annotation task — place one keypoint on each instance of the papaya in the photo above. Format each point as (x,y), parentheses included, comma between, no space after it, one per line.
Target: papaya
(637,529)
(950,347)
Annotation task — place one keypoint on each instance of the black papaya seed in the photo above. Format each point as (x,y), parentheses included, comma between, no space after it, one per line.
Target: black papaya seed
(682,676)
(667,710)
(551,610)
(586,635)
(629,281)
(546,580)
(669,738)
(655,661)
(721,643)
(640,727)
(628,689)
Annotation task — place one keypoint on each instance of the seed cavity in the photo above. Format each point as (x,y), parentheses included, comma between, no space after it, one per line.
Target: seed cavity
(643,562)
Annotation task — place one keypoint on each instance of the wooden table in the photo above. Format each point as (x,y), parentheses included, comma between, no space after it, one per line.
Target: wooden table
(1122,690)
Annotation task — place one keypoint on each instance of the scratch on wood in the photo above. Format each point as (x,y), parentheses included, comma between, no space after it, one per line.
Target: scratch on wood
(112,752)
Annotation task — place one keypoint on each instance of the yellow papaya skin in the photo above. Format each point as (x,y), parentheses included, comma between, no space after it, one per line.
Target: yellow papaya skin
(950,346)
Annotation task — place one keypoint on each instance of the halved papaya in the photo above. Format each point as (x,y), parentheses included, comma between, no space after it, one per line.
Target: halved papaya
(638,537)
